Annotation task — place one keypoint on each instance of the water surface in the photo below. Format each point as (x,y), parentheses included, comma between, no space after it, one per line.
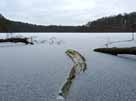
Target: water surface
(36,72)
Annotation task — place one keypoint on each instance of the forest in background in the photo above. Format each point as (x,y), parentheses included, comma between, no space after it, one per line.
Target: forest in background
(117,23)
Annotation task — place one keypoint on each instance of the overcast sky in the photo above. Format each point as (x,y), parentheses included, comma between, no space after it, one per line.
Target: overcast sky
(63,12)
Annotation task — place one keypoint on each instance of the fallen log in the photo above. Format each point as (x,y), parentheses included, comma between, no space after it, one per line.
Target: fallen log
(16,40)
(116,51)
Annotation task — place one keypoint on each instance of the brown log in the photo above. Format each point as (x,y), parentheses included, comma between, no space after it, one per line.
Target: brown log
(116,51)
(16,40)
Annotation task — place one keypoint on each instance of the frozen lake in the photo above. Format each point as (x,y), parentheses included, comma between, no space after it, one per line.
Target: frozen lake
(36,72)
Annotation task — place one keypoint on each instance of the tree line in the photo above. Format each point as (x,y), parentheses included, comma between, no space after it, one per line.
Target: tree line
(118,23)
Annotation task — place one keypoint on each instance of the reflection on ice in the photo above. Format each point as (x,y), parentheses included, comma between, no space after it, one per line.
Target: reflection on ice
(50,41)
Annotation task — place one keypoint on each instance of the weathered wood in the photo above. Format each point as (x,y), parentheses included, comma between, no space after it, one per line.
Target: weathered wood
(16,40)
(116,51)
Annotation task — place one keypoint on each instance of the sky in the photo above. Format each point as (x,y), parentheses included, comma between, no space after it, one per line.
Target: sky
(63,12)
